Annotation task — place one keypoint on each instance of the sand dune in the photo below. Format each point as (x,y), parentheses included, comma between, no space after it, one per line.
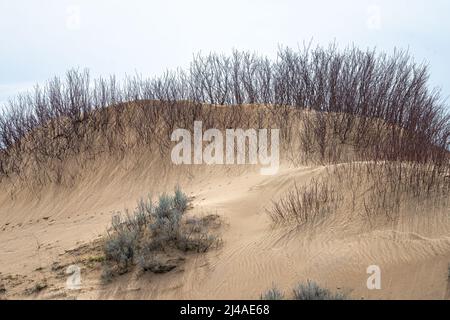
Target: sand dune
(363,184)
(38,230)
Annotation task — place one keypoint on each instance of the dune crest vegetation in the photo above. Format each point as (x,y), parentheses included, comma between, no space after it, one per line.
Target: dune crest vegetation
(330,105)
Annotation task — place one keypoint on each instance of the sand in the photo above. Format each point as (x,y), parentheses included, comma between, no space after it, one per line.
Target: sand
(39,228)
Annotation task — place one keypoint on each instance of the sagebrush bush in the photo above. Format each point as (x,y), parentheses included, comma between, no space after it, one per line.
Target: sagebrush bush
(166,218)
(120,248)
(107,274)
(312,291)
(144,236)
(272,294)
(180,200)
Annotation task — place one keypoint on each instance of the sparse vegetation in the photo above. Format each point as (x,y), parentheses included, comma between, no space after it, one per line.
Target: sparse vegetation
(107,274)
(120,248)
(376,191)
(36,288)
(373,116)
(307,203)
(95,259)
(272,294)
(155,236)
(312,291)
(355,105)
(2,289)
(304,291)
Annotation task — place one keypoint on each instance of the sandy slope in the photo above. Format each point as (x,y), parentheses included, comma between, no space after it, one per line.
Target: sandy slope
(37,227)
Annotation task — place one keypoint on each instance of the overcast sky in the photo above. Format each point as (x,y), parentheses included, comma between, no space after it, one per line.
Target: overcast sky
(40,39)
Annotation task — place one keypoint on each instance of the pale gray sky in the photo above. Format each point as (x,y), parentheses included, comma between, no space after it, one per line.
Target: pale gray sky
(40,39)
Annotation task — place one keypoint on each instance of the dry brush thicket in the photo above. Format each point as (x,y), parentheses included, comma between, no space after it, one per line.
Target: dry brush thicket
(331,106)
(378,192)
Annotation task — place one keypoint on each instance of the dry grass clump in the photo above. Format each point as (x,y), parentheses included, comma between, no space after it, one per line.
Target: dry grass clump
(156,235)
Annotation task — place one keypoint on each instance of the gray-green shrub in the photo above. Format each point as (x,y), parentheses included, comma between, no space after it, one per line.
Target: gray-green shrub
(141,237)
(120,248)
(312,291)
(272,294)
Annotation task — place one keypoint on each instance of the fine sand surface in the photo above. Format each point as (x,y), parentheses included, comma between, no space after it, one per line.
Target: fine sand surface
(43,230)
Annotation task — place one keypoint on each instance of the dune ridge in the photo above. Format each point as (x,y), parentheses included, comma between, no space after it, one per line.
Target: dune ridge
(364,178)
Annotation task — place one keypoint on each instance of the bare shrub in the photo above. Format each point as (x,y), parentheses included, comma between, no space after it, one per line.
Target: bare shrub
(304,204)
(377,191)
(386,189)
(378,105)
